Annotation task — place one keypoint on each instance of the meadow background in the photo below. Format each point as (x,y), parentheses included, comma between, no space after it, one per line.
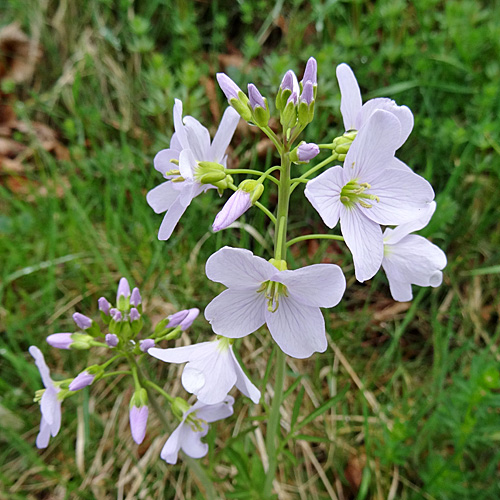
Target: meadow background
(412,390)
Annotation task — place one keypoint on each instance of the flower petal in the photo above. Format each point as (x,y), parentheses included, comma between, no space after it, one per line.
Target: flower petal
(413,260)
(212,413)
(198,138)
(323,193)
(397,163)
(393,236)
(364,239)
(402,113)
(320,285)
(48,404)
(224,134)
(162,197)
(238,268)
(373,148)
(243,383)
(163,160)
(192,445)
(404,196)
(181,354)
(172,446)
(171,219)
(187,164)
(350,101)
(42,440)
(41,365)
(299,330)
(236,313)
(180,130)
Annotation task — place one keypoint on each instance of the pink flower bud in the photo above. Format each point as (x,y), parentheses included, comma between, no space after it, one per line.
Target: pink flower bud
(255,97)
(310,73)
(134,314)
(183,318)
(82,321)
(238,203)
(307,95)
(135,298)
(138,417)
(308,151)
(146,344)
(104,305)
(111,339)
(60,340)
(227,86)
(123,289)
(80,381)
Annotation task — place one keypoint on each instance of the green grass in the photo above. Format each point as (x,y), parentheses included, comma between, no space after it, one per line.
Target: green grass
(412,403)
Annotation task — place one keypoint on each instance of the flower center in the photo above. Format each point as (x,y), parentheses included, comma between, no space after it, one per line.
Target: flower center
(196,424)
(273,291)
(354,192)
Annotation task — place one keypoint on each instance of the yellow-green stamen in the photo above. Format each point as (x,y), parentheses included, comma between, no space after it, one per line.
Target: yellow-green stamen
(354,192)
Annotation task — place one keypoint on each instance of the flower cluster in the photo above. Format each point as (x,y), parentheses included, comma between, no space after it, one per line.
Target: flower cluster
(378,200)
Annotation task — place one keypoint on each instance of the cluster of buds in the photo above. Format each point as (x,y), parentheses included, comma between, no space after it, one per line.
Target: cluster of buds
(341,144)
(124,323)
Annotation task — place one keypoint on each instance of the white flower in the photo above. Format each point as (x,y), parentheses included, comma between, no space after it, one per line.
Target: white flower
(356,114)
(288,301)
(189,145)
(211,371)
(194,426)
(411,259)
(364,193)
(50,404)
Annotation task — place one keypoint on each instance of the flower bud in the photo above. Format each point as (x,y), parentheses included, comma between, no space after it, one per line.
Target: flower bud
(310,73)
(82,380)
(82,321)
(116,315)
(138,417)
(289,85)
(134,314)
(184,318)
(135,297)
(235,96)
(237,204)
(255,97)
(104,305)
(60,340)
(146,344)
(259,106)
(342,144)
(111,339)
(304,152)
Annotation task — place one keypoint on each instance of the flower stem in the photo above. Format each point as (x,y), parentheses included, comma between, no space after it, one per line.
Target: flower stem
(273,427)
(314,237)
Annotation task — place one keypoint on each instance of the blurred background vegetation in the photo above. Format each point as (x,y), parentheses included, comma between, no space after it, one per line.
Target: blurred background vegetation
(411,389)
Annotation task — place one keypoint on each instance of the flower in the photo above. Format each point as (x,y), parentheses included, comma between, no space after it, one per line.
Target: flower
(411,259)
(111,339)
(288,301)
(364,193)
(138,417)
(356,114)
(194,426)
(237,204)
(60,340)
(50,405)
(211,371)
(183,318)
(189,145)
(81,380)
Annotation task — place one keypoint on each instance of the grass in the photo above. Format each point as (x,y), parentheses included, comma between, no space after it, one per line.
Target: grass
(410,390)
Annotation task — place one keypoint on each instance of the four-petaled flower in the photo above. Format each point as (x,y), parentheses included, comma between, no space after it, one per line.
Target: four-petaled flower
(356,114)
(189,145)
(194,426)
(411,259)
(50,404)
(288,301)
(211,371)
(364,193)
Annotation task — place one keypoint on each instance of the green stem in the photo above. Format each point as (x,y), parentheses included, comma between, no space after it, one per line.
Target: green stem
(273,425)
(265,174)
(310,172)
(280,251)
(118,372)
(314,237)
(269,132)
(195,467)
(157,388)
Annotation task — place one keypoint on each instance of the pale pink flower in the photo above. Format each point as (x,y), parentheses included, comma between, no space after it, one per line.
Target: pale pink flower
(287,301)
(237,204)
(193,427)
(211,371)
(138,418)
(364,193)
(50,404)
(356,114)
(189,144)
(410,259)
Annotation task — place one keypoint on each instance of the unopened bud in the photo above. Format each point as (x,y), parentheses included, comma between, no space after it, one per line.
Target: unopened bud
(237,204)
(304,152)
(135,297)
(60,340)
(111,339)
(184,318)
(104,305)
(134,314)
(82,380)
(146,344)
(311,71)
(138,417)
(82,321)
